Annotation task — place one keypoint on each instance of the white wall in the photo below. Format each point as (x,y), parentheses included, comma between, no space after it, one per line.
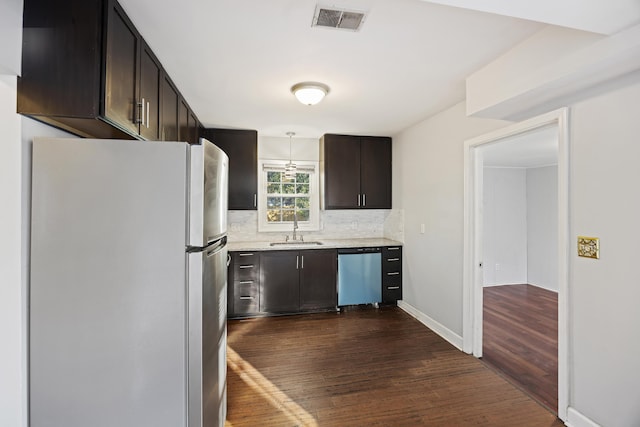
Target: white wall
(504,251)
(428,170)
(10,37)
(542,227)
(12,355)
(605,293)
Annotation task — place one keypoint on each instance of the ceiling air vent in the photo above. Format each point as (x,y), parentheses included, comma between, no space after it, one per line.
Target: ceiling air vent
(341,19)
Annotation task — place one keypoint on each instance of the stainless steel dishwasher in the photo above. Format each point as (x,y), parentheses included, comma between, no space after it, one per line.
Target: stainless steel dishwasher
(359,276)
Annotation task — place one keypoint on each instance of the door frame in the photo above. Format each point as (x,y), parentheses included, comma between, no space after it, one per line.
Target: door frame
(472,271)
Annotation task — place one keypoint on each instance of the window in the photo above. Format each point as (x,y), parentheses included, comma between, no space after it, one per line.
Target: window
(287,197)
(282,199)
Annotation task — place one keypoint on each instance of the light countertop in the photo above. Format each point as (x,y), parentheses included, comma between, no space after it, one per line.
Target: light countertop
(326,244)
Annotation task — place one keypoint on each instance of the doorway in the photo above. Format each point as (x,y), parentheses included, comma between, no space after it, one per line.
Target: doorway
(474,265)
(519,251)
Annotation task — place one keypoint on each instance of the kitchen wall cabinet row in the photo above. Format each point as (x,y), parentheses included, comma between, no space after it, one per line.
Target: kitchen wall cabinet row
(356,172)
(86,69)
(285,282)
(278,282)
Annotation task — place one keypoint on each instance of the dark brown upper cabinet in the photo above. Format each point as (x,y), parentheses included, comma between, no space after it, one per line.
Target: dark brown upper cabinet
(194,128)
(87,70)
(356,172)
(169,118)
(183,121)
(151,75)
(242,148)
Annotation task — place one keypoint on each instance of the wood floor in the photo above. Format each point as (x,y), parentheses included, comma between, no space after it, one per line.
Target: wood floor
(367,367)
(520,338)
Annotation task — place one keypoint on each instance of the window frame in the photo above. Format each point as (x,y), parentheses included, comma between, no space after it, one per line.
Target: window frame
(265,166)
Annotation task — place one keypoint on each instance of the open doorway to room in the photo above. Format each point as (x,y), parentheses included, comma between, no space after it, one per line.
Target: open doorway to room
(515,257)
(520,257)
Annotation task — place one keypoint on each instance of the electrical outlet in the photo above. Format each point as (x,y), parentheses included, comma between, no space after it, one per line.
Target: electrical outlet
(497,266)
(354,225)
(421,228)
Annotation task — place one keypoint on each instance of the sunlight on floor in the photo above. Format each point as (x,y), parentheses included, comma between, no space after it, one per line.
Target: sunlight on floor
(268,391)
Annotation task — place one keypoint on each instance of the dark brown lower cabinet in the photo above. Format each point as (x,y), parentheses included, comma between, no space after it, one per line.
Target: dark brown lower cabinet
(279,281)
(391,274)
(318,279)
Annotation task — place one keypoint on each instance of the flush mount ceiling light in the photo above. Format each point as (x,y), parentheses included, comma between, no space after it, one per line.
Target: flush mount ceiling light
(310,93)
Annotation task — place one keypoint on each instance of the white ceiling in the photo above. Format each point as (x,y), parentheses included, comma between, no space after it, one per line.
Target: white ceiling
(597,16)
(535,148)
(236,60)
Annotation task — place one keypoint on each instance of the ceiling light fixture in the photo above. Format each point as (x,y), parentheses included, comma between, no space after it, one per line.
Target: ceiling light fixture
(310,93)
(290,168)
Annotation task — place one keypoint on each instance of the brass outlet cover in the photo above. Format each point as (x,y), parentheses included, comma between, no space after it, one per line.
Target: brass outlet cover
(589,247)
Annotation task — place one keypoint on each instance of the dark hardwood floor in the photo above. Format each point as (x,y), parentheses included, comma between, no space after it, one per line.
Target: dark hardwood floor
(369,367)
(520,338)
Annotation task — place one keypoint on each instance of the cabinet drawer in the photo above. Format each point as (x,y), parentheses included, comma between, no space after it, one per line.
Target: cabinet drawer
(391,252)
(391,292)
(246,266)
(246,297)
(392,277)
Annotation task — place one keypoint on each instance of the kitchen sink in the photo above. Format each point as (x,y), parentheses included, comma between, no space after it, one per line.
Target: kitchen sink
(296,243)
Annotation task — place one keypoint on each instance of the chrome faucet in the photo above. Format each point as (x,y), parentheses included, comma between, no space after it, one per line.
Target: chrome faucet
(294,237)
(295,226)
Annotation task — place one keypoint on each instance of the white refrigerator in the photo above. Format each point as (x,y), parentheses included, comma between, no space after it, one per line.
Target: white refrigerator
(127,315)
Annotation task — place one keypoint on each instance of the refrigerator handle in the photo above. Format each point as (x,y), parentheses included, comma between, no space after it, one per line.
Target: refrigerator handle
(228,260)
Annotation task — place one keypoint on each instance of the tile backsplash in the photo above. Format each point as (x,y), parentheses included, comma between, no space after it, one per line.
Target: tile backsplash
(334,224)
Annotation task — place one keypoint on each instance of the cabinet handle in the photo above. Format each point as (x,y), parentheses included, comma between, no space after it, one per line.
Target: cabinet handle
(358,200)
(245,282)
(393,288)
(302,261)
(247,298)
(138,119)
(364,199)
(148,114)
(142,116)
(393,249)
(255,200)
(246,254)
(393,259)
(297,260)
(247,266)
(395,273)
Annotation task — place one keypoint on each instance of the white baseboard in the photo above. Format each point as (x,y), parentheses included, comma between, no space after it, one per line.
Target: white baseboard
(490,285)
(576,419)
(544,287)
(446,333)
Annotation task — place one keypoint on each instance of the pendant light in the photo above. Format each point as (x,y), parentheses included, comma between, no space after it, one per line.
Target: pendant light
(290,168)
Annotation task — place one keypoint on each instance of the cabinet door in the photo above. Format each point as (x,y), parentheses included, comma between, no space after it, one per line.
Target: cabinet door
(183,121)
(193,128)
(279,282)
(318,270)
(242,148)
(169,129)
(375,172)
(341,157)
(121,84)
(150,78)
